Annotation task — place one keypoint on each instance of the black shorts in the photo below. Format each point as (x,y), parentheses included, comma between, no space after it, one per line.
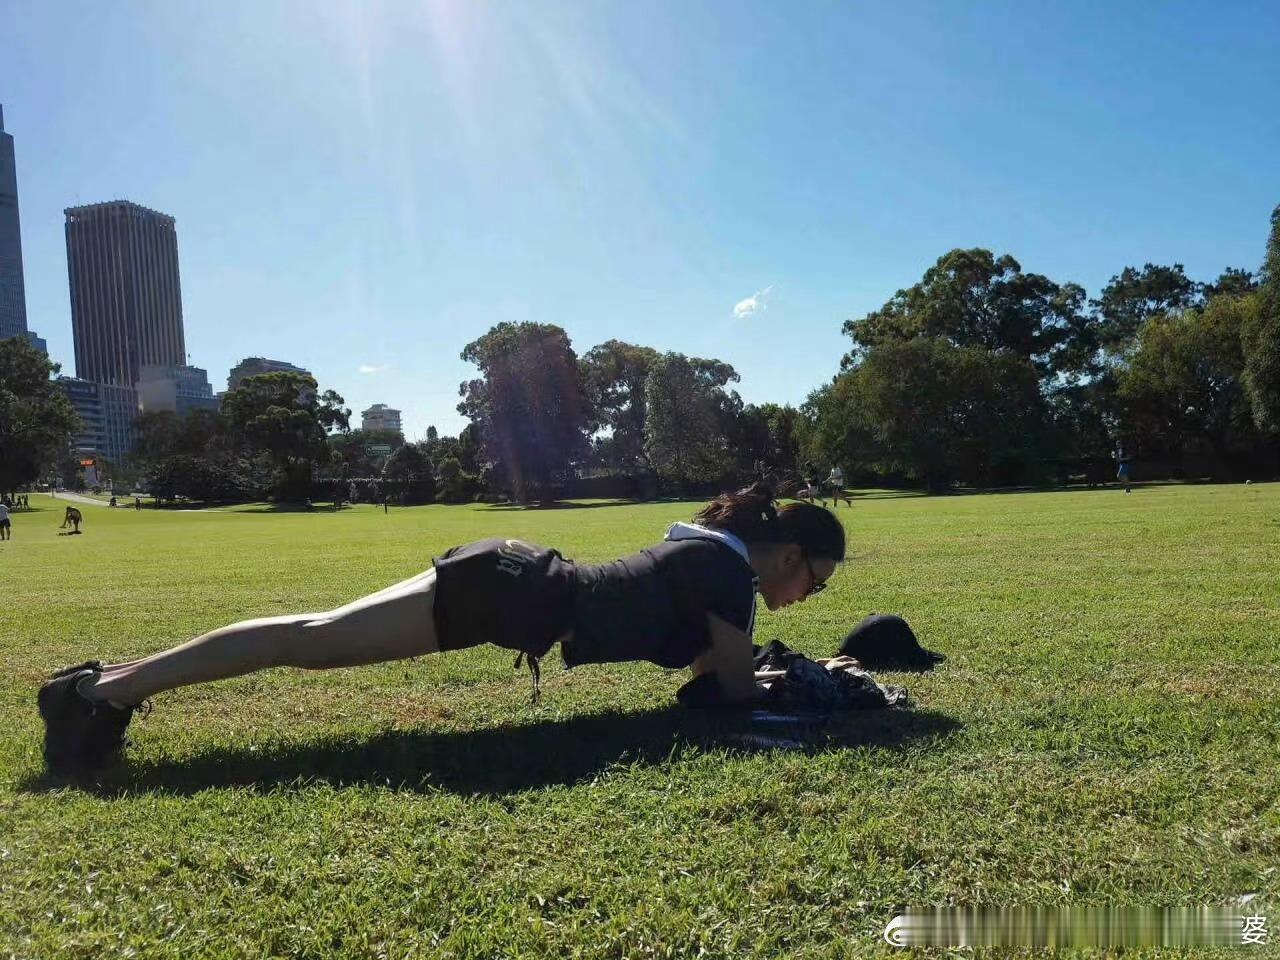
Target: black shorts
(511,593)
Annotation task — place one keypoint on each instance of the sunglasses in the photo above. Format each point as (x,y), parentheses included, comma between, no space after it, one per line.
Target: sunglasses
(816,585)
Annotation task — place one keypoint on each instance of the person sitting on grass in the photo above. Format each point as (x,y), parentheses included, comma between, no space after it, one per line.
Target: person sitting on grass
(688,601)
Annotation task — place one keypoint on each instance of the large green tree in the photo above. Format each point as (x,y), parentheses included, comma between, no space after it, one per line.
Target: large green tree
(163,433)
(199,478)
(1261,339)
(928,409)
(971,298)
(1134,296)
(408,472)
(282,416)
(529,404)
(1182,383)
(37,421)
(615,374)
(352,447)
(683,438)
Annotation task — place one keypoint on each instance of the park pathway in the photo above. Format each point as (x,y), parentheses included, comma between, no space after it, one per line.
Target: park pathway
(63,495)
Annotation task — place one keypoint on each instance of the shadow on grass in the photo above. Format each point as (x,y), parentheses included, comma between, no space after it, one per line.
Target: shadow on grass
(496,761)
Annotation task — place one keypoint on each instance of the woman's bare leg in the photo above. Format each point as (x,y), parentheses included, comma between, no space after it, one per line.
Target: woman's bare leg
(391,624)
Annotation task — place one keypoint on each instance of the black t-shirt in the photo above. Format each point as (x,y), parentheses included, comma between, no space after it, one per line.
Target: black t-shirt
(653,605)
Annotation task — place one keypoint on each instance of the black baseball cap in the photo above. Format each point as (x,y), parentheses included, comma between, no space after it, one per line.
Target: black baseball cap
(885,641)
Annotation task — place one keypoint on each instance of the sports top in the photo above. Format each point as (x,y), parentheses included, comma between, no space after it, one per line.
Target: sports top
(651,605)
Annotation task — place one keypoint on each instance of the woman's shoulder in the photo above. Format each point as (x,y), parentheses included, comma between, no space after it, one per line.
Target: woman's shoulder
(700,553)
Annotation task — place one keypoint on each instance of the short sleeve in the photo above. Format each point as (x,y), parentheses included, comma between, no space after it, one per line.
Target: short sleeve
(733,590)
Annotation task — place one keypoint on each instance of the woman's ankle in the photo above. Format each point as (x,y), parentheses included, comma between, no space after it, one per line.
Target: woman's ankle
(99,688)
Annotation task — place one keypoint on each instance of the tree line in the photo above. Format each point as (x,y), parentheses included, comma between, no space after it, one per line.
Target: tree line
(981,374)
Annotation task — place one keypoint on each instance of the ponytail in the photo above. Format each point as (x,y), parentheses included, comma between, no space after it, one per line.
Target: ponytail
(752,515)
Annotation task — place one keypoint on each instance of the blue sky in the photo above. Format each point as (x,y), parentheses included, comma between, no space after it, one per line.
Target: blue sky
(363,189)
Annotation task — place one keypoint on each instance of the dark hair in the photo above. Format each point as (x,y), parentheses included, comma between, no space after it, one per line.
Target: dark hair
(751,515)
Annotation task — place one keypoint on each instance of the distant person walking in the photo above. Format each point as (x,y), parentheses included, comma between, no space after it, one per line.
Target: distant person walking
(1122,469)
(137,503)
(835,483)
(813,479)
(6,531)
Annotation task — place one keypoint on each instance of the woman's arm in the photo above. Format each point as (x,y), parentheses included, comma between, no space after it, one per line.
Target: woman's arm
(729,658)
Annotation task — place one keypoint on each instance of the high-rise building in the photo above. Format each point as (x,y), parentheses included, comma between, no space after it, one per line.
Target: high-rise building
(13,296)
(178,389)
(86,398)
(380,417)
(126,298)
(106,414)
(252,366)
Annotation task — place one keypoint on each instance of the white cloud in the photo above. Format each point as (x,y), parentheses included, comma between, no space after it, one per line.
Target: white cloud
(752,304)
(370,368)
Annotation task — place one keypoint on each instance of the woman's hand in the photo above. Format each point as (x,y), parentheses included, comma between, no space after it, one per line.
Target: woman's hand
(840,663)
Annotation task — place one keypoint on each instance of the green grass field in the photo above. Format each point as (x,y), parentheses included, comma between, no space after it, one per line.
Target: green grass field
(1105,731)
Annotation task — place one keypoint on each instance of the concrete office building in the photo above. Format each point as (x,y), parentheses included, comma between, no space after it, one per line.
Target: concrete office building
(126,298)
(381,417)
(253,366)
(176,388)
(13,294)
(126,305)
(106,413)
(86,398)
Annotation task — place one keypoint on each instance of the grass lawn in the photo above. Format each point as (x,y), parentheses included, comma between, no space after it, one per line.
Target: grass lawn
(1105,731)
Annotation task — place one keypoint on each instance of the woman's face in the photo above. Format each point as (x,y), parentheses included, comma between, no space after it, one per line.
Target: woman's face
(788,576)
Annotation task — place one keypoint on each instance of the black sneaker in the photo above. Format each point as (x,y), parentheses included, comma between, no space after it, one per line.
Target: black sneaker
(79,734)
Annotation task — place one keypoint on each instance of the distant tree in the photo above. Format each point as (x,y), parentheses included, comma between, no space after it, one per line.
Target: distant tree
(529,405)
(163,433)
(1261,339)
(1182,385)
(470,449)
(197,478)
(281,415)
(928,409)
(1085,419)
(1231,283)
(156,436)
(455,484)
(1134,296)
(682,433)
(408,472)
(971,298)
(353,449)
(37,421)
(615,374)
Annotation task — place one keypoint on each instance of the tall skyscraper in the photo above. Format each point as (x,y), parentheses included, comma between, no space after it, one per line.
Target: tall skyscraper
(13,296)
(126,298)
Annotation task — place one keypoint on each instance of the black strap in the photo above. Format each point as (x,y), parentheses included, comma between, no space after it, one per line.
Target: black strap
(535,671)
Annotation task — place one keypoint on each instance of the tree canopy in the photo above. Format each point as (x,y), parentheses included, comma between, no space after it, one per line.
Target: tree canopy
(37,421)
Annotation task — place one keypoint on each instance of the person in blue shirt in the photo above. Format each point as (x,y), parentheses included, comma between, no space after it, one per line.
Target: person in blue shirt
(1122,468)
